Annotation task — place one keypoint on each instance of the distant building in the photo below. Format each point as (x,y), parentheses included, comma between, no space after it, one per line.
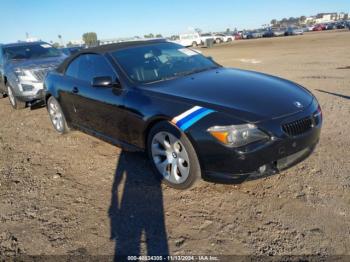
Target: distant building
(325,18)
(343,16)
(310,20)
(330,17)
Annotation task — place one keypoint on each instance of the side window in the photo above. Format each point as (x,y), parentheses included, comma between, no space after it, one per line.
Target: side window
(73,67)
(93,65)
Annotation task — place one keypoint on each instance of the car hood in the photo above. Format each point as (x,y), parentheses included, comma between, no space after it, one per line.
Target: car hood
(37,63)
(246,95)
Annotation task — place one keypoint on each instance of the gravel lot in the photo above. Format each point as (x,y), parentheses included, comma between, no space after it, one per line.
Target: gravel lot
(75,194)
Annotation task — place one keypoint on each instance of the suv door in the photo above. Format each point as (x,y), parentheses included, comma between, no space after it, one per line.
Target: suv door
(97,109)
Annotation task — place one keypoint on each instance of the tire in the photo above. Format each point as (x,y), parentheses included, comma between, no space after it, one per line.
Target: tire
(172,156)
(15,103)
(56,115)
(229,40)
(218,40)
(194,44)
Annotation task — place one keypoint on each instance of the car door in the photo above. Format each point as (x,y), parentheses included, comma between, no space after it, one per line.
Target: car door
(97,109)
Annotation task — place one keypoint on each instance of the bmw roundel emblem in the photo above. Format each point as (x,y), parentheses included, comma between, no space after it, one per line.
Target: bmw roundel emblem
(298,104)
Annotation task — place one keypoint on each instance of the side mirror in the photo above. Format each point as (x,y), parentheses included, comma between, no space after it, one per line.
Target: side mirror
(104,81)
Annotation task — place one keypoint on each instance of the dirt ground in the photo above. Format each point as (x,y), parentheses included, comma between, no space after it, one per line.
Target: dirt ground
(75,194)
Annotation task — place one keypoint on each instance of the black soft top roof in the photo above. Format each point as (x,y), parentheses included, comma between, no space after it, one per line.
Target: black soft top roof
(103,49)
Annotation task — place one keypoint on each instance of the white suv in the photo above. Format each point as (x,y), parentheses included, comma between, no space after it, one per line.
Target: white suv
(189,39)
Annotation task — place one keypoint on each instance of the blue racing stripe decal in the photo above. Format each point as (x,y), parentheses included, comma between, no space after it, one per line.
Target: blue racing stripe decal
(190,117)
(189,123)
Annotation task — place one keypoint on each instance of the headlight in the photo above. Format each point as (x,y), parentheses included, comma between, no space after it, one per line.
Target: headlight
(237,135)
(25,75)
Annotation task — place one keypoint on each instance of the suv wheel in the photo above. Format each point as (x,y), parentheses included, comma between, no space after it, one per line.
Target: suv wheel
(15,103)
(56,116)
(194,44)
(173,157)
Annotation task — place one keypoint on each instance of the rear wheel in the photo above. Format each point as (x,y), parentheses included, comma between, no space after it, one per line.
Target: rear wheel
(173,157)
(218,40)
(15,103)
(56,116)
(194,44)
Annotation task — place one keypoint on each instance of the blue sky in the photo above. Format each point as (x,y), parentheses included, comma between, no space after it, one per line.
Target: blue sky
(115,18)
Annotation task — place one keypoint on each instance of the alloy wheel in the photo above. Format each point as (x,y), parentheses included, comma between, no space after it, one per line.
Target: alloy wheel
(56,115)
(170,157)
(11,96)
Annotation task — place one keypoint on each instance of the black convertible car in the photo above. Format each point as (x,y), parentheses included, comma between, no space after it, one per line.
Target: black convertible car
(192,116)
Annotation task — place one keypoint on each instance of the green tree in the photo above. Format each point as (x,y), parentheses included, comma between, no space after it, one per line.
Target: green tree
(159,36)
(273,22)
(56,45)
(90,39)
(198,30)
(149,36)
(70,44)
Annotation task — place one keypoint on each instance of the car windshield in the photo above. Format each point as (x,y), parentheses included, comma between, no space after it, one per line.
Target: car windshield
(160,62)
(33,51)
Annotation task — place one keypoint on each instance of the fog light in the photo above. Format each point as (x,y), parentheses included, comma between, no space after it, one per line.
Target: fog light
(26,87)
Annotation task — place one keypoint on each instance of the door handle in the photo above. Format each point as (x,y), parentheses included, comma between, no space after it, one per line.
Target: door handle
(75,90)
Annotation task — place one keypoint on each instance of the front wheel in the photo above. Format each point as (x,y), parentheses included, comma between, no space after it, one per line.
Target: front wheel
(173,157)
(56,116)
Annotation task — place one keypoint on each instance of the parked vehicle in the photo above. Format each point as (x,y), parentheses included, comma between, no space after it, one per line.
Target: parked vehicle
(319,27)
(331,26)
(189,114)
(71,50)
(206,36)
(220,38)
(294,31)
(273,32)
(189,39)
(340,25)
(238,36)
(278,31)
(310,28)
(23,67)
(255,34)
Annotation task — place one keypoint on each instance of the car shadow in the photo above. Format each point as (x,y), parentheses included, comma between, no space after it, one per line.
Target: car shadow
(334,94)
(136,210)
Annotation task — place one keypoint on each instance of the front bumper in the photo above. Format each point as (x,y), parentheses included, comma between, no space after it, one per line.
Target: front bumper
(279,153)
(39,95)
(35,93)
